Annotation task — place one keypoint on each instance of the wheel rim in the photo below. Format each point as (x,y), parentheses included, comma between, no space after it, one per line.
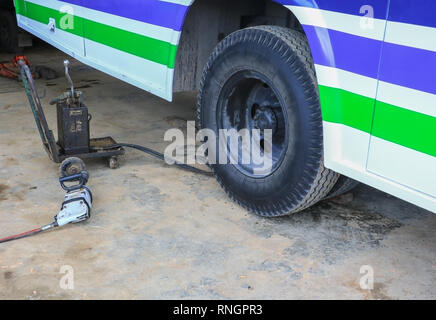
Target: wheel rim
(249,101)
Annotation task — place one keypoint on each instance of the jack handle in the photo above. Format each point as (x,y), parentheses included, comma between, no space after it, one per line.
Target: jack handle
(67,75)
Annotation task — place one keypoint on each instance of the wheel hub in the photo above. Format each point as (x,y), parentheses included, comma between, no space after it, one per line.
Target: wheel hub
(249,102)
(265,118)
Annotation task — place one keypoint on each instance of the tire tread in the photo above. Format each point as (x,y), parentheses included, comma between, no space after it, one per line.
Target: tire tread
(292,46)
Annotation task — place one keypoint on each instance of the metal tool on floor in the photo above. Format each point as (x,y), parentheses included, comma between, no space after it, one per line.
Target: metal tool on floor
(11,69)
(73,121)
(77,203)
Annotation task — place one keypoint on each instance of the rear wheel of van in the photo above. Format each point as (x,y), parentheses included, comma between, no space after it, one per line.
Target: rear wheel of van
(263,78)
(8,32)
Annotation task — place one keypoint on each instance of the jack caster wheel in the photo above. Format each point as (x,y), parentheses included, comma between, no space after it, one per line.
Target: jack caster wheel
(71,166)
(113,163)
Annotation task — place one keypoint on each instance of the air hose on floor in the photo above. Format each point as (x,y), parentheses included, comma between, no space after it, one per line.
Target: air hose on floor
(25,234)
(158,155)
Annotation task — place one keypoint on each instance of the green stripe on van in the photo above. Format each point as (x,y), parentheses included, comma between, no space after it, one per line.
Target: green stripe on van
(404,127)
(144,47)
(340,106)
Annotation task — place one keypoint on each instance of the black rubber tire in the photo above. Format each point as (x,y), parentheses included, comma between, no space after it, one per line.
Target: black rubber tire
(343,185)
(8,32)
(283,55)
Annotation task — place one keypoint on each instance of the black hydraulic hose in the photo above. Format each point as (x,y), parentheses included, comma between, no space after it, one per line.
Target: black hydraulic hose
(143,149)
(157,155)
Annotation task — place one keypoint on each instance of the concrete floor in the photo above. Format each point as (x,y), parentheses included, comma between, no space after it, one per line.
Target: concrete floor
(162,233)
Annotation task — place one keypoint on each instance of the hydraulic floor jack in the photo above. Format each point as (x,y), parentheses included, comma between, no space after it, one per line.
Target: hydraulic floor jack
(73,124)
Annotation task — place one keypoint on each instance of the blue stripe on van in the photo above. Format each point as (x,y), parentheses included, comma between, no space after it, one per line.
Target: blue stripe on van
(342,6)
(405,66)
(419,12)
(344,51)
(160,13)
(409,67)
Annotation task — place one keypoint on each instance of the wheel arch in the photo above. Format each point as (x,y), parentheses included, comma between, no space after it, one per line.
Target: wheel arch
(194,49)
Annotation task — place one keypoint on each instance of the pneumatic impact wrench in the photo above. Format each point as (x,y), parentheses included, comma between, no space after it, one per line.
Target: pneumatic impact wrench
(77,203)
